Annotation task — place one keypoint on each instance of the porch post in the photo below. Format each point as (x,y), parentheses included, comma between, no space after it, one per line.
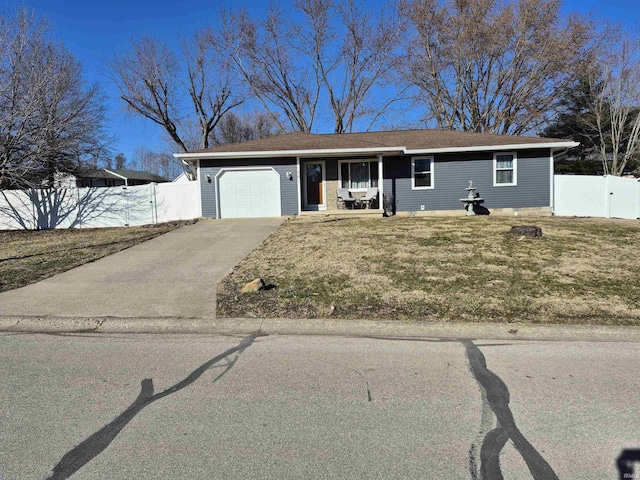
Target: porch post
(552,181)
(380,184)
(298,180)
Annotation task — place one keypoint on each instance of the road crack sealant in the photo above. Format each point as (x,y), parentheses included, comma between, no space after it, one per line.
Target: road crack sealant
(90,448)
(495,394)
(357,372)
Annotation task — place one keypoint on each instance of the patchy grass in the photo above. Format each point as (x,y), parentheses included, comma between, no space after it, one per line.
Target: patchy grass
(30,256)
(443,269)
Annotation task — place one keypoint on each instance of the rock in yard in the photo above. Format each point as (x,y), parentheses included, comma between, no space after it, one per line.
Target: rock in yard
(527,230)
(254,286)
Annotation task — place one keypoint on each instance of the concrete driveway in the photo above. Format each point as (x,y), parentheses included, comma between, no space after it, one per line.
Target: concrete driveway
(173,275)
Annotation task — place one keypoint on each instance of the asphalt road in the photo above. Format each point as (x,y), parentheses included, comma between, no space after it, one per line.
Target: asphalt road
(279,407)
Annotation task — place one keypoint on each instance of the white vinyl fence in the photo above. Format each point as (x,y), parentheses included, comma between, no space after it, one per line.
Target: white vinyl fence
(593,196)
(99,206)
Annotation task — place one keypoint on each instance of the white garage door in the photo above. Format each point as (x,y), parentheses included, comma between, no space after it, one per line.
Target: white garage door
(249,193)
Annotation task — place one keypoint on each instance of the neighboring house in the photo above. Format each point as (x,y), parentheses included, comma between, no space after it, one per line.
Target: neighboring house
(415,171)
(182,179)
(109,178)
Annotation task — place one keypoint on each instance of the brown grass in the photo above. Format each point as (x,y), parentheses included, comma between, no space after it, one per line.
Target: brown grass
(29,256)
(445,269)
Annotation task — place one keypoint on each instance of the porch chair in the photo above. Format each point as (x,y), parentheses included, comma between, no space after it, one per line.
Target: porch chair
(345,198)
(369,197)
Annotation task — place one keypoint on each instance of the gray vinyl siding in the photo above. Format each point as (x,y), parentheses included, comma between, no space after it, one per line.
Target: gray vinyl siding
(451,175)
(288,188)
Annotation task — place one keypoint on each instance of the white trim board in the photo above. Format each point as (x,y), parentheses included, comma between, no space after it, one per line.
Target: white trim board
(236,169)
(329,152)
(371,160)
(322,206)
(432,163)
(514,169)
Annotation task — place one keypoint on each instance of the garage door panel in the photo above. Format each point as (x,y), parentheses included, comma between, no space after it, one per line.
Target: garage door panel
(249,194)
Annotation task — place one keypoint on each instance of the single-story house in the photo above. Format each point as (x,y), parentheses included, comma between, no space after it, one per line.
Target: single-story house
(414,172)
(108,177)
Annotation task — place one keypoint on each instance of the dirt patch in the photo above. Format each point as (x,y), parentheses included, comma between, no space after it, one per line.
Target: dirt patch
(445,269)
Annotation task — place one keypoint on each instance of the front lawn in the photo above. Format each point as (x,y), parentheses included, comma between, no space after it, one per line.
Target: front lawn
(443,269)
(33,255)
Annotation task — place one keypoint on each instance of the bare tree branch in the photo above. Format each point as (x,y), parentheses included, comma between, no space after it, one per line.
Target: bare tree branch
(50,121)
(155,82)
(337,52)
(492,65)
(264,53)
(615,103)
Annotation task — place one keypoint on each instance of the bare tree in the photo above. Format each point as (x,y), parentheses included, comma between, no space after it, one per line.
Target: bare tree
(353,56)
(152,82)
(159,163)
(120,161)
(266,54)
(493,65)
(50,121)
(241,128)
(615,96)
(335,51)
(212,95)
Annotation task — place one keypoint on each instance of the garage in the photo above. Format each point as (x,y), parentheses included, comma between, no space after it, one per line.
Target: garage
(249,193)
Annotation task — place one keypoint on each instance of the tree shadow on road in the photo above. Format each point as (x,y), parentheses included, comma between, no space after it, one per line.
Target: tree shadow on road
(90,448)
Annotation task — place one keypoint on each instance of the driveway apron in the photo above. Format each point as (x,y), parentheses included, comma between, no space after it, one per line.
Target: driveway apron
(173,275)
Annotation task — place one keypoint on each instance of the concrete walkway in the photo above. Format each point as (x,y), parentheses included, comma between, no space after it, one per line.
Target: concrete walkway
(173,275)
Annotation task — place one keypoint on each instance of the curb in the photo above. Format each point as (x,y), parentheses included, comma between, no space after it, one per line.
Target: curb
(355,328)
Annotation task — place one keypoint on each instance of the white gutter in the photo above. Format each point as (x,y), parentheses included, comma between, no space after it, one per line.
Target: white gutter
(287,153)
(379,150)
(558,153)
(485,148)
(126,180)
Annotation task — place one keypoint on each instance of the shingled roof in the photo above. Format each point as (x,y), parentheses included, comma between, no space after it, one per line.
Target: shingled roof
(401,141)
(138,175)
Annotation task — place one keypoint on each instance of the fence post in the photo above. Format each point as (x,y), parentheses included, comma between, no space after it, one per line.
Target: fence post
(79,208)
(638,198)
(33,211)
(154,204)
(126,205)
(607,196)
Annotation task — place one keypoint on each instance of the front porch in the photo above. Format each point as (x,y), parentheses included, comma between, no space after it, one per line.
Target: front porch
(355,213)
(319,180)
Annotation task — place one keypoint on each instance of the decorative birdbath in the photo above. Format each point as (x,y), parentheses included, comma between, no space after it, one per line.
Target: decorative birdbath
(472,199)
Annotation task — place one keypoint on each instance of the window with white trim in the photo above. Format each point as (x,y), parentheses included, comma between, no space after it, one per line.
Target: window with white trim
(505,169)
(358,175)
(421,173)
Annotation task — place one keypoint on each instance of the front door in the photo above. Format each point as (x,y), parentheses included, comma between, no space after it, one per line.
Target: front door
(314,185)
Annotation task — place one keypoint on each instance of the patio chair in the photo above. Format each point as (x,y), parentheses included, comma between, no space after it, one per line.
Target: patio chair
(345,199)
(369,197)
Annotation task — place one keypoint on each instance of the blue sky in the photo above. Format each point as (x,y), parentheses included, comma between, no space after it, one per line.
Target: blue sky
(94,29)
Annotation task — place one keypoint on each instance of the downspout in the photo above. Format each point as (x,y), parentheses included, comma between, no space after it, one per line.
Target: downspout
(381,182)
(126,181)
(298,185)
(199,184)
